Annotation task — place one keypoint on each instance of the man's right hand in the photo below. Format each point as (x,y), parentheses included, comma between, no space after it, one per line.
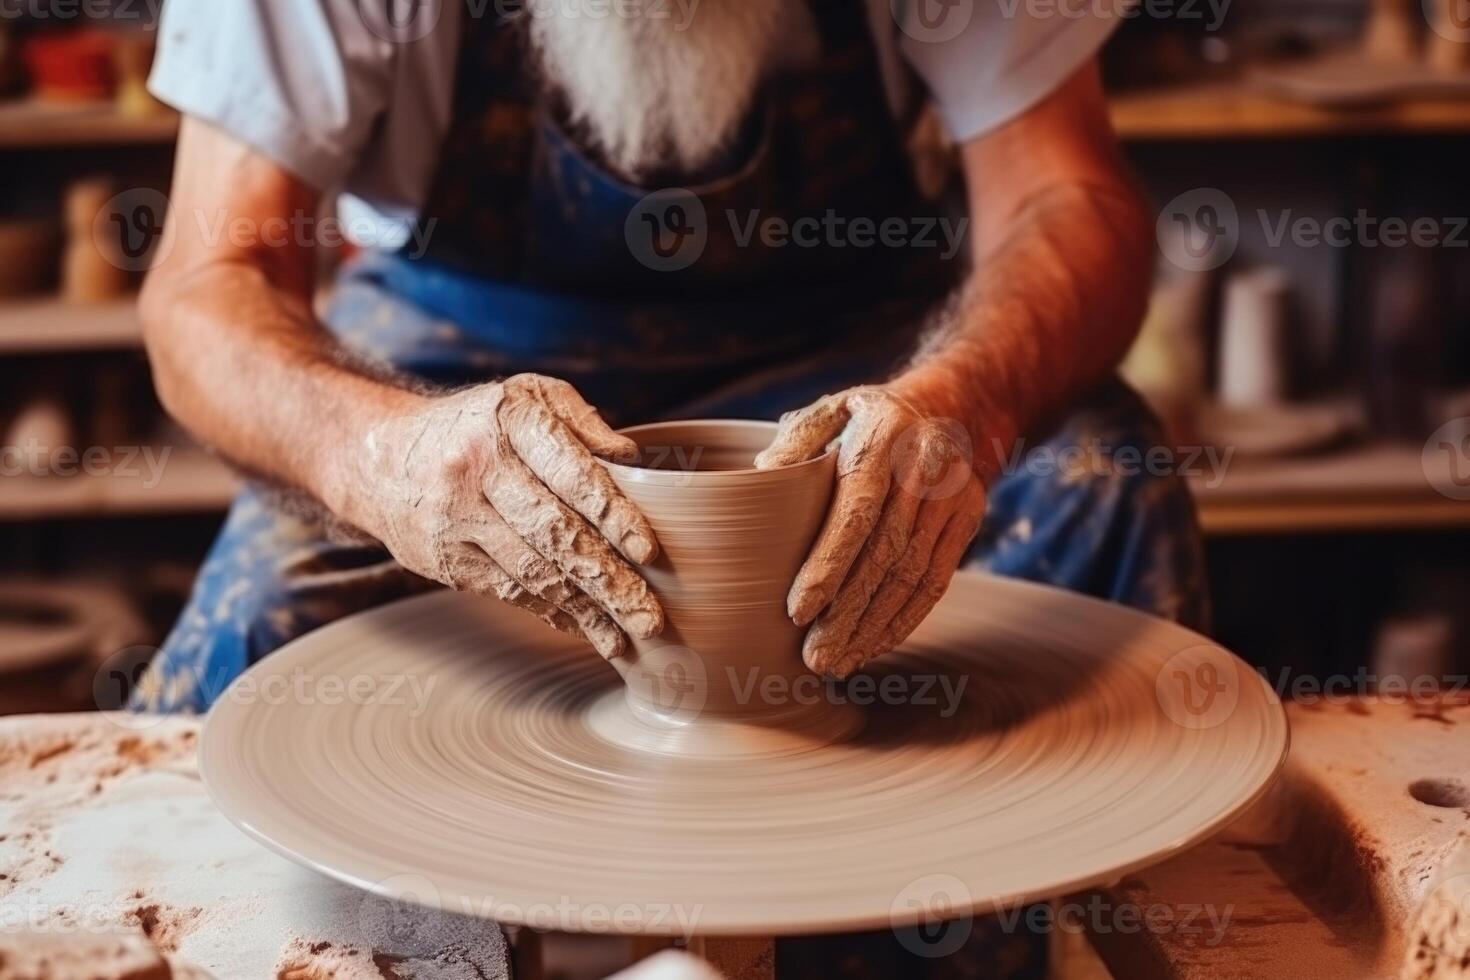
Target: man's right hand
(495,490)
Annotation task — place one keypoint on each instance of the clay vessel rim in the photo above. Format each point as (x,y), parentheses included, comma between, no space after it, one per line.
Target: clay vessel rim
(646,475)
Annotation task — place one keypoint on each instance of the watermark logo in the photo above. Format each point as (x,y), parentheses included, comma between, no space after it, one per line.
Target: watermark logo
(1199,230)
(667,230)
(932,21)
(671,681)
(402,914)
(401,21)
(1445,459)
(932,916)
(114,681)
(131,230)
(1450,19)
(1443,928)
(1198,688)
(933,459)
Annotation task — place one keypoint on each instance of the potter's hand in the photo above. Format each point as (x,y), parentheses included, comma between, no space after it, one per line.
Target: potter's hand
(907,505)
(496,490)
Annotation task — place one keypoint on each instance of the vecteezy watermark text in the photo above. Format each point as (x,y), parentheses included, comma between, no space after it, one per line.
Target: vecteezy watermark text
(1099,916)
(1098,459)
(669,229)
(82,10)
(31,458)
(943,691)
(1200,229)
(328,690)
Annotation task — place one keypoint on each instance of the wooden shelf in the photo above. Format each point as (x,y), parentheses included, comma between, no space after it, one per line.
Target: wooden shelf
(190,481)
(47,324)
(1237,110)
(31,124)
(1373,488)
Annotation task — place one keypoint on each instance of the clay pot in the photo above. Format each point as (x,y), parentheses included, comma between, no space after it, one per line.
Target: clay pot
(731,539)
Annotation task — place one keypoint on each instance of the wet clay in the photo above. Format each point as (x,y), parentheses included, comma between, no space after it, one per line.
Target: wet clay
(731,539)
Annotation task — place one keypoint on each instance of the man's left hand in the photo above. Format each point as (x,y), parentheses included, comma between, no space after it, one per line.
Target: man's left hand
(906,507)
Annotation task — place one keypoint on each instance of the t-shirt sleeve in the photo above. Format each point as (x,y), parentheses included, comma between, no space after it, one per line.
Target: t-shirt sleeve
(302,81)
(988,61)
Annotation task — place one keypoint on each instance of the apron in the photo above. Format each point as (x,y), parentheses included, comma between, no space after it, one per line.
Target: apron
(646,298)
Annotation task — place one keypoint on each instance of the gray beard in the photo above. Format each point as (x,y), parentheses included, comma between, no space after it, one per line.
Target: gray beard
(664,86)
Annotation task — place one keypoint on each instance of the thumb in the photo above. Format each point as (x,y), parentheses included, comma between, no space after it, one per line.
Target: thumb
(804,434)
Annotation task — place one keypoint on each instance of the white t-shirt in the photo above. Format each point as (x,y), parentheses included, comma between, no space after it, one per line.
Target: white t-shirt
(356,95)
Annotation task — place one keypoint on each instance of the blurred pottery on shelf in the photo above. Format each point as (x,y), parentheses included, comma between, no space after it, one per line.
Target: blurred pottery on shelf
(55,636)
(1166,363)
(1252,368)
(1392,34)
(70,66)
(132,58)
(1278,430)
(93,268)
(28,254)
(1415,646)
(40,430)
(45,622)
(1348,78)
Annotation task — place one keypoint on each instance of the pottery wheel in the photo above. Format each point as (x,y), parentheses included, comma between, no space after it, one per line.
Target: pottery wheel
(1089,740)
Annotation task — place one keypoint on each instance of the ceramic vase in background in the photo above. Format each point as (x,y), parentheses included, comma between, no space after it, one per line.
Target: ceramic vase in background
(1253,339)
(93,268)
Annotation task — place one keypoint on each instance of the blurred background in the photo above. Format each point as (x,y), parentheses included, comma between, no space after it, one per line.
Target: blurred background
(1308,343)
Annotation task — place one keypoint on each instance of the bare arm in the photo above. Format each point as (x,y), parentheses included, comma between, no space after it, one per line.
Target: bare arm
(238,356)
(1063,252)
(1063,261)
(492,489)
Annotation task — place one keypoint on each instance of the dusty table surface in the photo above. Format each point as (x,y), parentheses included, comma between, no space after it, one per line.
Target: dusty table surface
(108,838)
(1355,867)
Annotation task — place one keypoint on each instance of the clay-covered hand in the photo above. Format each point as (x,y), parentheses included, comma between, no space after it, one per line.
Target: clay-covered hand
(906,506)
(495,490)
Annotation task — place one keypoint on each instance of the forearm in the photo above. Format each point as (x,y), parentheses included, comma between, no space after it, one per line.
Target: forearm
(1049,311)
(243,364)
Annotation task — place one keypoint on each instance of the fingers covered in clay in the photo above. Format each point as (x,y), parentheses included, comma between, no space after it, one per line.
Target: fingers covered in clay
(906,493)
(949,550)
(547,445)
(584,421)
(805,434)
(507,471)
(561,535)
(898,584)
(835,629)
(864,477)
(546,582)
(474,571)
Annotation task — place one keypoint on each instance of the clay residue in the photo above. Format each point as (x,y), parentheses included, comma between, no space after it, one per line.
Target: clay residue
(49,775)
(164,925)
(303,959)
(51,752)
